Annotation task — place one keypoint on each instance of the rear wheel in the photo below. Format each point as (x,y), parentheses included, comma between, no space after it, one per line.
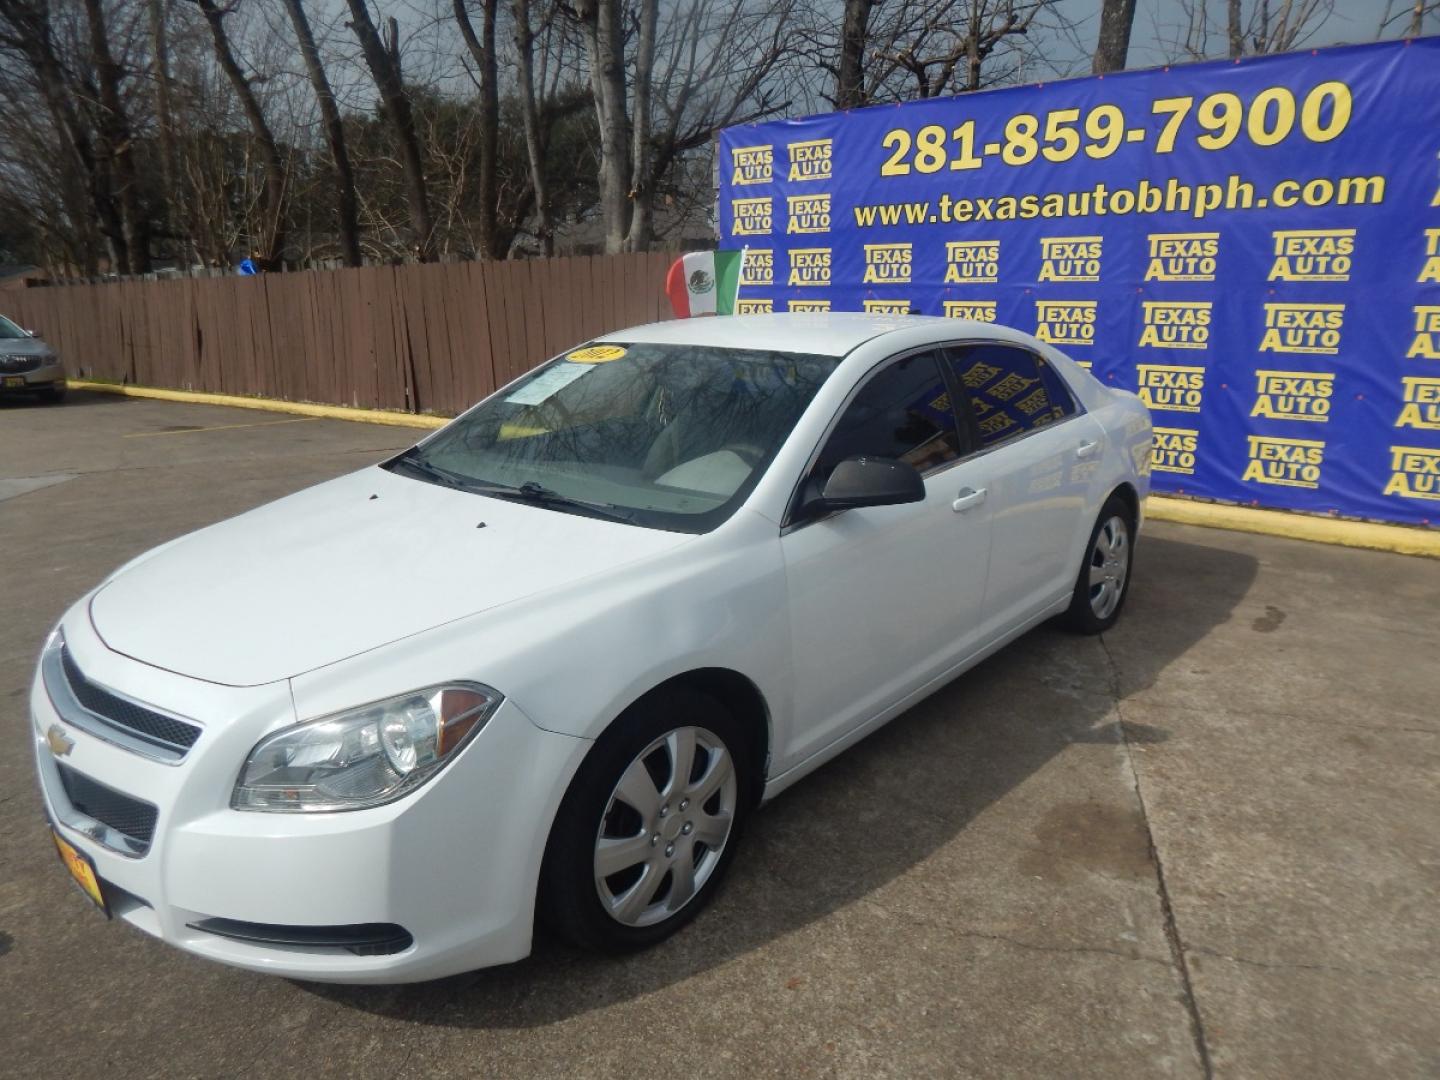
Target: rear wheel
(1104,578)
(649,825)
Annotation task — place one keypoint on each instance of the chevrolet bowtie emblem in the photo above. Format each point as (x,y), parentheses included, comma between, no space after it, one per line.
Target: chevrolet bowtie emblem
(60,744)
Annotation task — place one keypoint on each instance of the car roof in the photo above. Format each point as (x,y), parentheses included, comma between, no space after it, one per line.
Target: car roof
(819,333)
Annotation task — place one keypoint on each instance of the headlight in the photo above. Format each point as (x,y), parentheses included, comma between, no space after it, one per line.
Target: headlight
(365,756)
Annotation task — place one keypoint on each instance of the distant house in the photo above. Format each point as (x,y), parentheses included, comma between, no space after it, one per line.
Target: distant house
(14,276)
(687,228)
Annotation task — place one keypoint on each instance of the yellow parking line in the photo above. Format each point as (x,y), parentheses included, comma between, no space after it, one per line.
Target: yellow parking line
(1401,539)
(219,427)
(300,408)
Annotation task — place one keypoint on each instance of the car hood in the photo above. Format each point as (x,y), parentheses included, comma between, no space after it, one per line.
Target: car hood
(343,568)
(28,346)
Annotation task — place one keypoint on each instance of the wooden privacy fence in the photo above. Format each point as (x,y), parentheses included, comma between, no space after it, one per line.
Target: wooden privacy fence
(420,338)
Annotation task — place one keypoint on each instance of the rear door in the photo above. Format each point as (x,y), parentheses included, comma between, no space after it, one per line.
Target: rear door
(1043,453)
(882,599)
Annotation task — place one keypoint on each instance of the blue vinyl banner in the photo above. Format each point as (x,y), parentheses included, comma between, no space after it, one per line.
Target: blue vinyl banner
(1253,247)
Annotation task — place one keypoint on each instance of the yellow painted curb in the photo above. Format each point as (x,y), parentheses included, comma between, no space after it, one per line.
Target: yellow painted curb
(1400,539)
(298,408)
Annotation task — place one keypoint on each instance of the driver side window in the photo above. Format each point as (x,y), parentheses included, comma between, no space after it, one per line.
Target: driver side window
(902,412)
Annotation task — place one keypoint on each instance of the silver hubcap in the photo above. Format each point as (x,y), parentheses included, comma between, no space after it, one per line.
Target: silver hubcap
(665,826)
(1109,565)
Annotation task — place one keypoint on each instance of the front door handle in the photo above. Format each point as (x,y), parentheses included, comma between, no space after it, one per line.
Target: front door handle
(967,499)
(1087,448)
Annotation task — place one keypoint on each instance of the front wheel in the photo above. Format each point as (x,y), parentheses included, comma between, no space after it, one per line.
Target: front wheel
(1104,578)
(649,825)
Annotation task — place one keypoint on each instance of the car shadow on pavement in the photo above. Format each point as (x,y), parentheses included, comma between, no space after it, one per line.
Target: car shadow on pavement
(887,804)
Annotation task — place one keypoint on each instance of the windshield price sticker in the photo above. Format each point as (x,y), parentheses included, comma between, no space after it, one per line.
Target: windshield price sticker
(596,354)
(548,382)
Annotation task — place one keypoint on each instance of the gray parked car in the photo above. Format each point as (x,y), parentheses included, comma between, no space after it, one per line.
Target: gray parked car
(28,365)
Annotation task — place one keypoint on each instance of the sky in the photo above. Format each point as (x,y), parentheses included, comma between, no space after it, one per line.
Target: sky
(1161,21)
(434,53)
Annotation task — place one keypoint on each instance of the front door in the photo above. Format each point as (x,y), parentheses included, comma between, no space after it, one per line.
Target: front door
(883,599)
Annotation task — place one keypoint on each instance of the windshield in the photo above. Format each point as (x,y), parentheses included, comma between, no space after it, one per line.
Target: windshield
(666,436)
(9,330)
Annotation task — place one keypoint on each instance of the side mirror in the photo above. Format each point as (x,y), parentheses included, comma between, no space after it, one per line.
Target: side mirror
(34,333)
(871,481)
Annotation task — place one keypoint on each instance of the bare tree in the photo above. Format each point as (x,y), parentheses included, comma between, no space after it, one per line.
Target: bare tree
(269,244)
(173,192)
(854,33)
(346,205)
(234,126)
(26,31)
(601,27)
(116,144)
(945,57)
(47,212)
(1234,30)
(482,50)
(530,118)
(1287,26)
(687,85)
(1112,48)
(699,89)
(1416,9)
(642,186)
(1266,27)
(904,49)
(383,60)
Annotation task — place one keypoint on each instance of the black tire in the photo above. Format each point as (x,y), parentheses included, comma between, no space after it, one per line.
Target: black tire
(52,396)
(570,901)
(1082,616)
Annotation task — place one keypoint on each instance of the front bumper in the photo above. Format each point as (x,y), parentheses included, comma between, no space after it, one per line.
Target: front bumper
(49,376)
(455,864)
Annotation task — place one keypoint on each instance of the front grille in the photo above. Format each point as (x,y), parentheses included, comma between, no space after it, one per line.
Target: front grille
(13,365)
(126,715)
(130,817)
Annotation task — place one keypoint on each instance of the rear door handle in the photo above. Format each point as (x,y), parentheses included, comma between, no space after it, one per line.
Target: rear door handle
(1087,448)
(967,499)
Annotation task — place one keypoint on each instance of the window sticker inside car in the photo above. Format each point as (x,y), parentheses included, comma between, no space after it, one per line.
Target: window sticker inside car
(596,354)
(547,383)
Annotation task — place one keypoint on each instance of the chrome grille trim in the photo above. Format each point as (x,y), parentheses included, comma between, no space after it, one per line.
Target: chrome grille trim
(149,732)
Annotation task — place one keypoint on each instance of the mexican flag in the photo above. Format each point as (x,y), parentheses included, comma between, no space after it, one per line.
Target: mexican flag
(704,283)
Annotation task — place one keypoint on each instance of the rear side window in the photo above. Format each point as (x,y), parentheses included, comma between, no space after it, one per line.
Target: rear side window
(902,412)
(1012,391)
(1062,401)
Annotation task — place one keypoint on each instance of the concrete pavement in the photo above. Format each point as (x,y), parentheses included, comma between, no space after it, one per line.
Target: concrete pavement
(1208,843)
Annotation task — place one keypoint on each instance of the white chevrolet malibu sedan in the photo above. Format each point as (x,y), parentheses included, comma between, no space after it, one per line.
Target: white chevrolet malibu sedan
(543,664)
